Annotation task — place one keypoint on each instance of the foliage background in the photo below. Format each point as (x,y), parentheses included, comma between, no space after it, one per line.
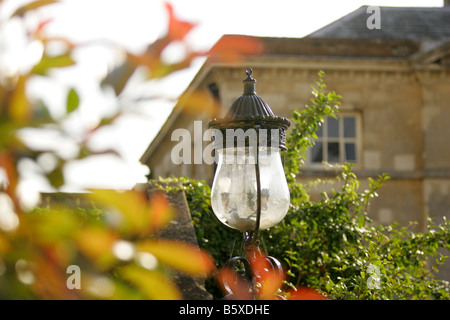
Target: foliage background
(115,246)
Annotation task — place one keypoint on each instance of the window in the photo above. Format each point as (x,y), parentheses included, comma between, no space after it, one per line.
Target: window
(337,141)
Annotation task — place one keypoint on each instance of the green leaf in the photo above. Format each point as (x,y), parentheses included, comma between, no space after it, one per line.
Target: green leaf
(72,101)
(47,62)
(330,284)
(56,177)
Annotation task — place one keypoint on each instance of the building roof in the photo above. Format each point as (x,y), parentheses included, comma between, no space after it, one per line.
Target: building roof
(338,48)
(396,23)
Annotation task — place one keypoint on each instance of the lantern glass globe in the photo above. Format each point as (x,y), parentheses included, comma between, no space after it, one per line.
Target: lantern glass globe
(234,188)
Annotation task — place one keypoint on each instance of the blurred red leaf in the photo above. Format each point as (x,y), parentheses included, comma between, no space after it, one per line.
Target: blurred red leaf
(305,293)
(178,29)
(151,57)
(7,163)
(38,32)
(233,284)
(269,279)
(60,252)
(50,280)
(232,48)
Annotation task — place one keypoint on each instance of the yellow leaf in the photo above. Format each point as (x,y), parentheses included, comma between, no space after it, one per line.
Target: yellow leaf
(4,244)
(199,102)
(141,216)
(181,256)
(32,6)
(56,225)
(132,206)
(96,243)
(153,284)
(100,286)
(19,107)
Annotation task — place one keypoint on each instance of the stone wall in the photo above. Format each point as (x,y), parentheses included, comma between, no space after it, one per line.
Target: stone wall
(181,229)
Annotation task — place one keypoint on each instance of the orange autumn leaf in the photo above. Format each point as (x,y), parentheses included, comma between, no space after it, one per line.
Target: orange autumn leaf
(178,29)
(179,255)
(266,274)
(60,252)
(151,58)
(50,280)
(161,211)
(270,280)
(7,164)
(5,247)
(96,243)
(234,285)
(270,286)
(232,48)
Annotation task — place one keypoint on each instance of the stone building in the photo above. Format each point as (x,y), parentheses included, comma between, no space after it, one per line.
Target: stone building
(395,111)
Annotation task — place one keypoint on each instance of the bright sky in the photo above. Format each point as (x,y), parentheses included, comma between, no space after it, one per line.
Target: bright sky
(135,23)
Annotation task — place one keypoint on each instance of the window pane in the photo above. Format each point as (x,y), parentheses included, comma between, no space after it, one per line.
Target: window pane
(333,127)
(350,152)
(333,152)
(349,127)
(317,153)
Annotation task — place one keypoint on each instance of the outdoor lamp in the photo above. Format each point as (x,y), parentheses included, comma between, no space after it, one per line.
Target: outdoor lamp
(249,191)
